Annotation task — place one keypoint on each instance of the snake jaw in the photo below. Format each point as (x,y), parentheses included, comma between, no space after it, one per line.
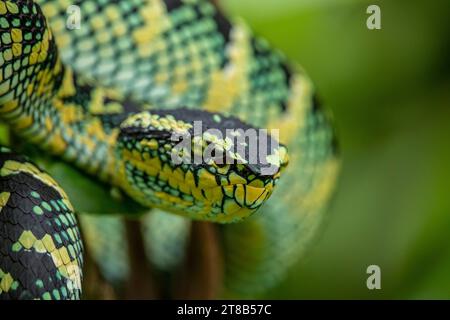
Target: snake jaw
(197,198)
(243,202)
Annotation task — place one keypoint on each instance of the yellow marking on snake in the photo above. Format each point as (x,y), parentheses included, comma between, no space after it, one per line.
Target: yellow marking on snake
(60,256)
(6,282)
(227,84)
(4,197)
(155,22)
(297,108)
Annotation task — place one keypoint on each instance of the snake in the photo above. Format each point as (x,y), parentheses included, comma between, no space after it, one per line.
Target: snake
(109,95)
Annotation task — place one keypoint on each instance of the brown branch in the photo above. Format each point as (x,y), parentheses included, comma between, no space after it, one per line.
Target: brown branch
(95,287)
(201,275)
(142,283)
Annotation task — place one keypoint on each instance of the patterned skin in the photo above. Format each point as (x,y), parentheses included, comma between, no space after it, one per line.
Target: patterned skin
(40,244)
(52,107)
(172,54)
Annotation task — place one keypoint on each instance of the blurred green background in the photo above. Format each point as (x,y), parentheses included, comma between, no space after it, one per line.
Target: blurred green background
(389,90)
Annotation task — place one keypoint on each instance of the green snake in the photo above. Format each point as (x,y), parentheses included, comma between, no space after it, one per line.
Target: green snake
(109,96)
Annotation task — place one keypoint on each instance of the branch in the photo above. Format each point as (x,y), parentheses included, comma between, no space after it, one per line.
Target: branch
(142,283)
(202,273)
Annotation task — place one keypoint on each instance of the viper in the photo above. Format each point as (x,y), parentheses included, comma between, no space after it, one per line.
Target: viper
(118,96)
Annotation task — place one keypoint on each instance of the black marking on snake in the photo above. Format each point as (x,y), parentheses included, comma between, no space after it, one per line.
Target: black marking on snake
(223,25)
(317,107)
(130,105)
(224,28)
(316,103)
(111,121)
(83,94)
(6,155)
(173,4)
(335,145)
(37,267)
(262,51)
(25,266)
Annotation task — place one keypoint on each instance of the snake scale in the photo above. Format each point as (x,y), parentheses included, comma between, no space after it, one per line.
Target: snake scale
(107,97)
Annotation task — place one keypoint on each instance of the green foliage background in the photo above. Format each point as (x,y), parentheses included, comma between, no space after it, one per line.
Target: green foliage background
(389,90)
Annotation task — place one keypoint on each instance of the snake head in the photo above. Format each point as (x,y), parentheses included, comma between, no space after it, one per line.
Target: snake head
(199,164)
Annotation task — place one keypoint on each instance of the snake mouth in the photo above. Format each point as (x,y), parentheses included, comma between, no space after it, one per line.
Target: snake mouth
(200,195)
(240,201)
(247,196)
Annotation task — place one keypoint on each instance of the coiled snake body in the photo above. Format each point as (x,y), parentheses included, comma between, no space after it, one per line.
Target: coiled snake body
(108,100)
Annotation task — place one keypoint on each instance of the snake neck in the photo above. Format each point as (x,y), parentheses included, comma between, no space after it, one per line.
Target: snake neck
(43,101)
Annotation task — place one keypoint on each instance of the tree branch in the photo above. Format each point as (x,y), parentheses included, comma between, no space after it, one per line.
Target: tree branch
(202,273)
(142,283)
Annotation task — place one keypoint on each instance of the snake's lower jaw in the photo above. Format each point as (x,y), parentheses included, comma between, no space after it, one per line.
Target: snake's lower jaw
(241,201)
